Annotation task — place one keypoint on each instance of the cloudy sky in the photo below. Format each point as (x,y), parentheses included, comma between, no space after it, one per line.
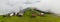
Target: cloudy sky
(7,6)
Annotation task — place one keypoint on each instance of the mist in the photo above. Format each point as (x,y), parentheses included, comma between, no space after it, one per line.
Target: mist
(7,6)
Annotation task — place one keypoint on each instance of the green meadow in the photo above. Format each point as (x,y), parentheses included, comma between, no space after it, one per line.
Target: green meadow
(27,18)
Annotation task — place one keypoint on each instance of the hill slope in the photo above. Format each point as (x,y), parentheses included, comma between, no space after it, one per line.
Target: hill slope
(27,18)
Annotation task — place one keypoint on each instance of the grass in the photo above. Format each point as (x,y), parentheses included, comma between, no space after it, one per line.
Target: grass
(27,18)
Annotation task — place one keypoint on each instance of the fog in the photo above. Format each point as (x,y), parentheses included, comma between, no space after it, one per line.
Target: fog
(7,6)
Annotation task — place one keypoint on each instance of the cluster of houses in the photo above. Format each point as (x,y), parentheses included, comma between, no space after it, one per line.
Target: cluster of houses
(21,13)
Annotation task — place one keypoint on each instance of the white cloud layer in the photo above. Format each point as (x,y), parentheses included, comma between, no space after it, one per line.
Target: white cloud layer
(7,6)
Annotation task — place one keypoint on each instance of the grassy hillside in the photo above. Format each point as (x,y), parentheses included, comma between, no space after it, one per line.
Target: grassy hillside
(27,18)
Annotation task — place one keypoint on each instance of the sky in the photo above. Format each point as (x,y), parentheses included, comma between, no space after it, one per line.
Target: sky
(7,6)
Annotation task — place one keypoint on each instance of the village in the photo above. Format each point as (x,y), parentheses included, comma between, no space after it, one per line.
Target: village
(29,15)
(21,13)
(29,10)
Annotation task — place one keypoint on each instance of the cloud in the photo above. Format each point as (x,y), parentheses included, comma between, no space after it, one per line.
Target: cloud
(7,6)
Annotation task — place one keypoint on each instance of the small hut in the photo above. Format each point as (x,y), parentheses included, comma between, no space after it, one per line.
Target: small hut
(42,14)
(33,15)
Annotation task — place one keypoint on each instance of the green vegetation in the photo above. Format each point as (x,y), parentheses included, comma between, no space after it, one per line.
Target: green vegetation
(27,18)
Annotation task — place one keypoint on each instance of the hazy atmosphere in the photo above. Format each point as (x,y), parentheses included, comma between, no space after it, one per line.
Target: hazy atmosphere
(7,6)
